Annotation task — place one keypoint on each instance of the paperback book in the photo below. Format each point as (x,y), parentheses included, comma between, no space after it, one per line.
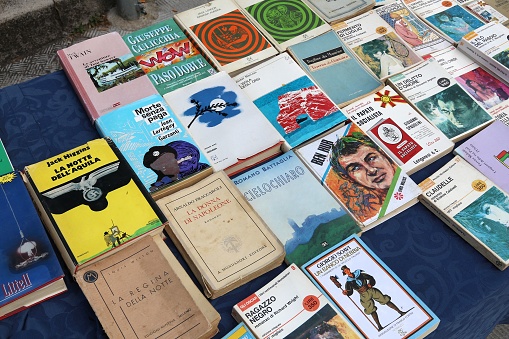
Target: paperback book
(487,13)
(336,11)
(241,331)
(5,161)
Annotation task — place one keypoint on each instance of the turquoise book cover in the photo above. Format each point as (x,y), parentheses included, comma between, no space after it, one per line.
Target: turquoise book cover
(5,162)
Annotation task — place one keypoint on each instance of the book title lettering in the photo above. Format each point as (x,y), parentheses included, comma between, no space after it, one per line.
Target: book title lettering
(205,208)
(364,118)
(324,147)
(76,55)
(139,293)
(176,71)
(349,30)
(409,82)
(335,259)
(169,55)
(18,285)
(482,40)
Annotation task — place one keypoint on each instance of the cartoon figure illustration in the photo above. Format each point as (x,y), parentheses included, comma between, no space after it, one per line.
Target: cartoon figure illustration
(284,17)
(231,36)
(111,240)
(405,31)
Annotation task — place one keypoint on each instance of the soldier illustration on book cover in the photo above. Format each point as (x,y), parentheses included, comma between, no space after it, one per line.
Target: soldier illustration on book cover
(114,72)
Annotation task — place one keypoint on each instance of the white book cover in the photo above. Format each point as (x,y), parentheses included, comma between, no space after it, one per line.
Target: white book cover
(335,11)
(485,11)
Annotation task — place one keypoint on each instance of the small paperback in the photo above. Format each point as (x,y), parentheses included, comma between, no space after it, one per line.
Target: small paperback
(241,331)
(29,269)
(376,43)
(473,206)
(372,297)
(289,99)
(290,306)
(307,220)
(156,145)
(224,241)
(488,13)
(405,135)
(360,174)
(336,11)
(5,161)
(438,96)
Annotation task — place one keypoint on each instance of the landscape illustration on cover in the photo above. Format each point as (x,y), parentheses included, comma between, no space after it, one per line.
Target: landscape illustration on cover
(114,72)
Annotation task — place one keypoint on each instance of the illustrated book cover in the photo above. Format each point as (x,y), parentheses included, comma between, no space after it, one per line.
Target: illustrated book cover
(290,306)
(335,68)
(307,220)
(5,161)
(241,331)
(335,11)
(227,126)
(156,144)
(489,11)
(92,202)
(472,206)
(224,241)
(369,293)
(169,58)
(30,271)
(404,134)
(297,108)
(360,174)
(104,74)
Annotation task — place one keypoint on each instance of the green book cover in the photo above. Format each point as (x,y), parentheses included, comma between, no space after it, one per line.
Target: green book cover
(5,162)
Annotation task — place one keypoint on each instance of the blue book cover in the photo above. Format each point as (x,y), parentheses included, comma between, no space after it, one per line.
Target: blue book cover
(241,331)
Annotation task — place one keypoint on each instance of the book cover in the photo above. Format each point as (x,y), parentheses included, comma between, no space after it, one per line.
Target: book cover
(472,206)
(405,135)
(438,96)
(290,306)
(307,220)
(168,57)
(359,174)
(296,107)
(223,120)
(5,161)
(377,45)
(487,13)
(104,74)
(91,201)
(369,293)
(335,68)
(241,331)
(29,268)
(335,11)
(156,145)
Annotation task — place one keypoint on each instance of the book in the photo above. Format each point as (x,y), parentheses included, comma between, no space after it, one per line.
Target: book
(336,11)
(296,107)
(359,174)
(377,45)
(486,12)
(377,302)
(5,161)
(290,306)
(92,202)
(104,73)
(284,22)
(241,331)
(438,97)
(30,270)
(221,237)
(469,203)
(332,66)
(405,135)
(156,145)
(225,35)
(225,123)
(169,58)
(307,220)
(141,292)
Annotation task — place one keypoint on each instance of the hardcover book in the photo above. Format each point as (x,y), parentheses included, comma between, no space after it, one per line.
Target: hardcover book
(472,206)
(405,135)
(307,220)
(335,11)
(290,306)
(169,58)
(30,271)
(224,241)
(104,74)
(335,68)
(369,293)
(296,107)
(438,96)
(225,123)
(360,174)
(5,161)
(92,202)
(156,145)
(226,36)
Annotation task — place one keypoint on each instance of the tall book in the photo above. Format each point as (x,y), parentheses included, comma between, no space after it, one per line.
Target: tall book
(307,220)
(92,202)
(104,74)
(438,96)
(290,306)
(225,123)
(156,145)
(377,45)
(335,68)
(143,291)
(289,99)
(336,11)
(472,206)
(224,241)
(225,35)
(284,22)
(5,161)
(169,58)
(29,269)
(369,293)
(359,174)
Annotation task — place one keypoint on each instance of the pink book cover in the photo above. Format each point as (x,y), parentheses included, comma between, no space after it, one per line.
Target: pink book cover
(104,74)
